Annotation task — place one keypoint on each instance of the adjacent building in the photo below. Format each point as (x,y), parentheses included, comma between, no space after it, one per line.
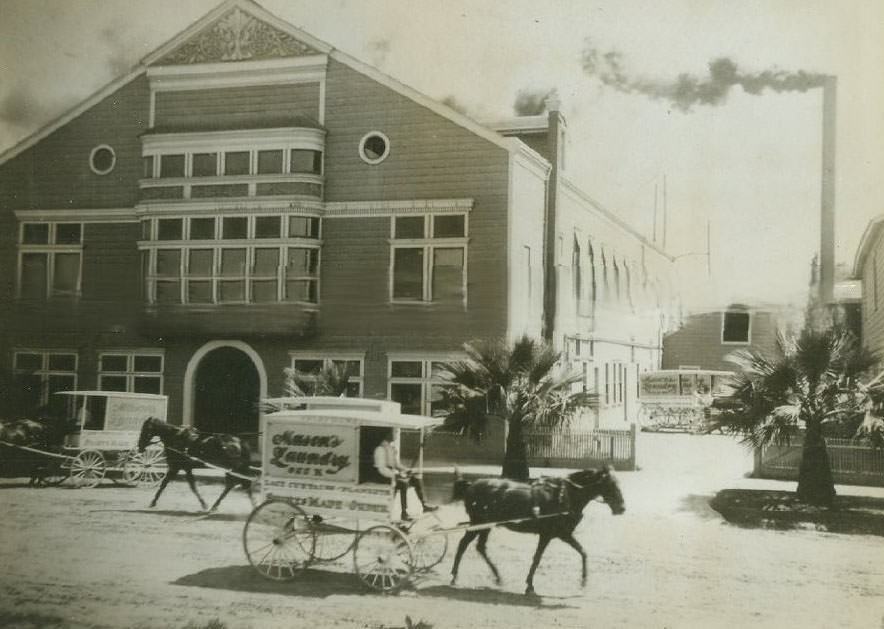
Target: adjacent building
(867,287)
(708,337)
(248,198)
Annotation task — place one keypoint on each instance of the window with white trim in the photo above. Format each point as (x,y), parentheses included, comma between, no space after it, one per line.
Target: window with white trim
(50,260)
(735,327)
(416,383)
(131,371)
(43,373)
(309,365)
(428,258)
(231,259)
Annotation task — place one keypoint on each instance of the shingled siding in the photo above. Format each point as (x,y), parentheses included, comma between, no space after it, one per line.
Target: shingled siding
(872,274)
(236,107)
(430,158)
(698,342)
(55,173)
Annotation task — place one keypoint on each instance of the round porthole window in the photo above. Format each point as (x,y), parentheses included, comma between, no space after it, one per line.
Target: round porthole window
(374,147)
(102,159)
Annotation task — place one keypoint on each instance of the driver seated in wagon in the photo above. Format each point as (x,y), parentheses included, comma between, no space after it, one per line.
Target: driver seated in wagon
(390,468)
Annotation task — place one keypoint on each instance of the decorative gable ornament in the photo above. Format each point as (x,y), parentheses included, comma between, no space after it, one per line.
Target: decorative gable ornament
(237,36)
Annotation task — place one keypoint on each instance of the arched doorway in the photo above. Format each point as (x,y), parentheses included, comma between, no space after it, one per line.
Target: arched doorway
(226,391)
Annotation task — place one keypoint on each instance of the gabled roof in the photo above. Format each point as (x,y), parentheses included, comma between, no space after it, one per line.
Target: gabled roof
(176,51)
(870,235)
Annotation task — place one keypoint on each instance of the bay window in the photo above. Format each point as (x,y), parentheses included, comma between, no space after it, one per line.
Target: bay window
(249,262)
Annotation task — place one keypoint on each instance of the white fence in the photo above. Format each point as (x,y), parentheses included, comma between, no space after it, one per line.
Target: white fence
(852,463)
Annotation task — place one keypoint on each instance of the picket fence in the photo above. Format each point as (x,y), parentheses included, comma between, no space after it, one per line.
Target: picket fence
(852,463)
(546,448)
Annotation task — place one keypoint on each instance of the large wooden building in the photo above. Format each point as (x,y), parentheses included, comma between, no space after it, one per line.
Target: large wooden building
(249,198)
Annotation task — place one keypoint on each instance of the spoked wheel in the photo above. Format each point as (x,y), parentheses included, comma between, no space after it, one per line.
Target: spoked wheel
(88,469)
(383,558)
(145,469)
(429,550)
(333,541)
(278,540)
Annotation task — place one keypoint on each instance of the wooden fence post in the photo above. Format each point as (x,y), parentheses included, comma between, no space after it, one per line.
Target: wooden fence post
(633,455)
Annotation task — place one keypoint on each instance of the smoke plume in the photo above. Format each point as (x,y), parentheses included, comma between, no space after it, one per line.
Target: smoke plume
(531,102)
(456,105)
(379,51)
(687,90)
(22,107)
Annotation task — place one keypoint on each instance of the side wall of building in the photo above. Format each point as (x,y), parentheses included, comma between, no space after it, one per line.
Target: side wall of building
(614,295)
(873,297)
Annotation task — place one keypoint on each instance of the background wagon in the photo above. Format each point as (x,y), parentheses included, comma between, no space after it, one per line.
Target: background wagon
(678,399)
(322,501)
(109,423)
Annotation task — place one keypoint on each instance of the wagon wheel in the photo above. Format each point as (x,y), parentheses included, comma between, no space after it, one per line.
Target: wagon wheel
(88,468)
(383,558)
(145,469)
(429,550)
(332,541)
(278,540)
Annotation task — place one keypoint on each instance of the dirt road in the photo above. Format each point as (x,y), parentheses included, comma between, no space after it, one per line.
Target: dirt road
(101,558)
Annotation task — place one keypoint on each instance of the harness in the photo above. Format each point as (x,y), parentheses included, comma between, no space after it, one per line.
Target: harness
(545,482)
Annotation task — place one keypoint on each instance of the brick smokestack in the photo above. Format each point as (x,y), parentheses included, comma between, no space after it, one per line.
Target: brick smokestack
(827,191)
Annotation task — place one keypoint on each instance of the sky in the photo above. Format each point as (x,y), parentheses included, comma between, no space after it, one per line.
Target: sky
(747,162)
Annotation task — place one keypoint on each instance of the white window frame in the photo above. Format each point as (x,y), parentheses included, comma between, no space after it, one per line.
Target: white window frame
(328,358)
(426,380)
(428,244)
(223,142)
(130,374)
(50,249)
(283,244)
(44,372)
(748,340)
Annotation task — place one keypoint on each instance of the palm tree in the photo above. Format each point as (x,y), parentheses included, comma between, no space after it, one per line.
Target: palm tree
(521,383)
(811,381)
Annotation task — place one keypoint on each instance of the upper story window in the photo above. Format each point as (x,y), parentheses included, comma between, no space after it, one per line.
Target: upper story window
(735,327)
(234,163)
(231,259)
(102,159)
(50,260)
(374,147)
(428,258)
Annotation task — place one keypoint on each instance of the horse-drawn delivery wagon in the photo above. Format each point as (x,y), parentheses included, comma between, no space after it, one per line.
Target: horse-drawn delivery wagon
(323,500)
(93,436)
(678,399)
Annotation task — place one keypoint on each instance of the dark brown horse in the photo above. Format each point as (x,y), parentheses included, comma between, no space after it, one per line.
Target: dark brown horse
(548,507)
(46,435)
(187,448)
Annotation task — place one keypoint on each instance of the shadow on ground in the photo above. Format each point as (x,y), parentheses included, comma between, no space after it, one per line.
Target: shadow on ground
(859,515)
(314,583)
(310,583)
(493,596)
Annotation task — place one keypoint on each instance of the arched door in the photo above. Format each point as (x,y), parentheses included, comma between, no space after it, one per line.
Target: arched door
(226,393)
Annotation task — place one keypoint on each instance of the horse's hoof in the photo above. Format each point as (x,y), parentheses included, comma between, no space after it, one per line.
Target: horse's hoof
(453,581)
(529,591)
(151,505)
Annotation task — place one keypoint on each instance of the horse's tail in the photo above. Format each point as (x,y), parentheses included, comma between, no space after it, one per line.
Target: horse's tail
(460,486)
